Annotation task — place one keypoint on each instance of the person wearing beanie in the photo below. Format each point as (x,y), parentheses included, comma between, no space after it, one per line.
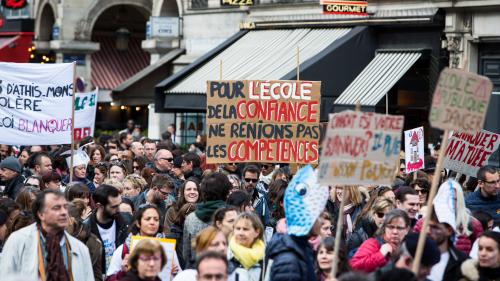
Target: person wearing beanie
(406,253)
(10,174)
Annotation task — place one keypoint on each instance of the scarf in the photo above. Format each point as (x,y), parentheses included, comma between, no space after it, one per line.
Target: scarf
(205,210)
(55,262)
(247,256)
(347,218)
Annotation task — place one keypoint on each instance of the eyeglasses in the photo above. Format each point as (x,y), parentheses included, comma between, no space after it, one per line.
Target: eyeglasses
(167,159)
(149,258)
(394,227)
(165,192)
(422,191)
(380,215)
(251,180)
(135,167)
(492,182)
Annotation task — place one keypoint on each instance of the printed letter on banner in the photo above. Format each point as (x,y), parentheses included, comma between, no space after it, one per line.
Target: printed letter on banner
(414,149)
(466,153)
(35,103)
(460,101)
(360,148)
(263,121)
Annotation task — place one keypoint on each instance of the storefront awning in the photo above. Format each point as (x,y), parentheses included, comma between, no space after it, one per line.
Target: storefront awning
(139,89)
(325,55)
(13,46)
(378,77)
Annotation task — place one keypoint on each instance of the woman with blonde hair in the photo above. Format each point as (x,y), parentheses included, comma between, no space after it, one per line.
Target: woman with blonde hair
(368,222)
(146,261)
(133,184)
(209,239)
(355,202)
(246,248)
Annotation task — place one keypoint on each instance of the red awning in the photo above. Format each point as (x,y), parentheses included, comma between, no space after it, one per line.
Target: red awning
(111,67)
(14,47)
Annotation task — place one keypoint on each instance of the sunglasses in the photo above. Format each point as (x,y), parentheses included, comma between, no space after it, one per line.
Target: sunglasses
(251,180)
(265,167)
(380,215)
(167,159)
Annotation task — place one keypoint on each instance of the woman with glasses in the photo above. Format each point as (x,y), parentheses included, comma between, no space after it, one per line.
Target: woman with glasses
(368,222)
(33,181)
(138,163)
(376,252)
(146,262)
(146,223)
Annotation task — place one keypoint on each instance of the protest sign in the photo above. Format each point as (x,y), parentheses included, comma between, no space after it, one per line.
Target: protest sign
(85,111)
(361,148)
(414,149)
(169,248)
(466,153)
(36,103)
(263,121)
(460,101)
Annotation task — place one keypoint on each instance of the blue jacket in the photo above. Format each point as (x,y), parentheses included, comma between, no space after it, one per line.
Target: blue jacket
(260,204)
(292,259)
(476,201)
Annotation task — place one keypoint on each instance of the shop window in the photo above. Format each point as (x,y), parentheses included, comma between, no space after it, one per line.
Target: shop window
(189,125)
(198,4)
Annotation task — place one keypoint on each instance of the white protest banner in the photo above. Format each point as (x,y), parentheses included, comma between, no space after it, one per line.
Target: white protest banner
(466,153)
(35,103)
(460,101)
(168,246)
(414,149)
(85,111)
(360,148)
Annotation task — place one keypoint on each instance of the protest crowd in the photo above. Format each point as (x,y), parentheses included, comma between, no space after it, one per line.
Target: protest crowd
(235,221)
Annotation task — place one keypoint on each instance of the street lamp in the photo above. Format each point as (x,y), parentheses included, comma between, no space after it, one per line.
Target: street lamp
(122,39)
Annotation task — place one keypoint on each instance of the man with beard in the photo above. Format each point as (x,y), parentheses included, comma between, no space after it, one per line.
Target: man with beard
(161,194)
(107,223)
(10,174)
(43,250)
(448,268)
(258,196)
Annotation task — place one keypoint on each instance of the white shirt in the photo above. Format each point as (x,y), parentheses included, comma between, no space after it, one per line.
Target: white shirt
(108,237)
(437,271)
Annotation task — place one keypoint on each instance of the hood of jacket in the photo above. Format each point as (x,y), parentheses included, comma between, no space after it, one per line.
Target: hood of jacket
(205,210)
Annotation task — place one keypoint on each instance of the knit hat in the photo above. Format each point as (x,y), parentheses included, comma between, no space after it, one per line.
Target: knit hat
(11,163)
(304,201)
(431,254)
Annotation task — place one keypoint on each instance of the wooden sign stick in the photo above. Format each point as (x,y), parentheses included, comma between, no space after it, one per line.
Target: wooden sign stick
(338,234)
(72,124)
(432,193)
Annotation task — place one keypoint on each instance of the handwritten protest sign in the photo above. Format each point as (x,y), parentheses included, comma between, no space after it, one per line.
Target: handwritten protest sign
(263,121)
(360,148)
(414,149)
(35,103)
(169,248)
(460,101)
(85,111)
(466,153)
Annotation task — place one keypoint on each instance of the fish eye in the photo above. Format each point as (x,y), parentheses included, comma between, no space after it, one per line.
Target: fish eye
(301,189)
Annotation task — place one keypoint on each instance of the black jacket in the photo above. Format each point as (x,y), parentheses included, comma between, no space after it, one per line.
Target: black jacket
(14,186)
(122,224)
(452,271)
(291,259)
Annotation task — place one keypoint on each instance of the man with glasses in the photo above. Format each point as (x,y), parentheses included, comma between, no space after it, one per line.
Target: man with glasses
(107,223)
(211,266)
(258,195)
(161,194)
(163,164)
(487,196)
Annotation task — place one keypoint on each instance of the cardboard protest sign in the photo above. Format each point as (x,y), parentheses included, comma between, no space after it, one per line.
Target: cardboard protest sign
(414,149)
(466,153)
(263,121)
(35,103)
(169,248)
(360,148)
(460,101)
(85,111)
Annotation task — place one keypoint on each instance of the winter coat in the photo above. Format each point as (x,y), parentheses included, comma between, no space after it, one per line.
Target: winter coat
(19,256)
(95,249)
(472,272)
(462,242)
(90,185)
(254,273)
(333,209)
(13,187)
(134,276)
(475,201)
(368,258)
(452,271)
(290,258)
(260,204)
(365,230)
(122,224)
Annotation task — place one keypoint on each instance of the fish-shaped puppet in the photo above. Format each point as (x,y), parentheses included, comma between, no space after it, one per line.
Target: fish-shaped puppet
(304,201)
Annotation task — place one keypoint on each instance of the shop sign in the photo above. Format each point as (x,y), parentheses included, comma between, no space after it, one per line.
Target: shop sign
(14,4)
(164,27)
(236,2)
(352,7)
